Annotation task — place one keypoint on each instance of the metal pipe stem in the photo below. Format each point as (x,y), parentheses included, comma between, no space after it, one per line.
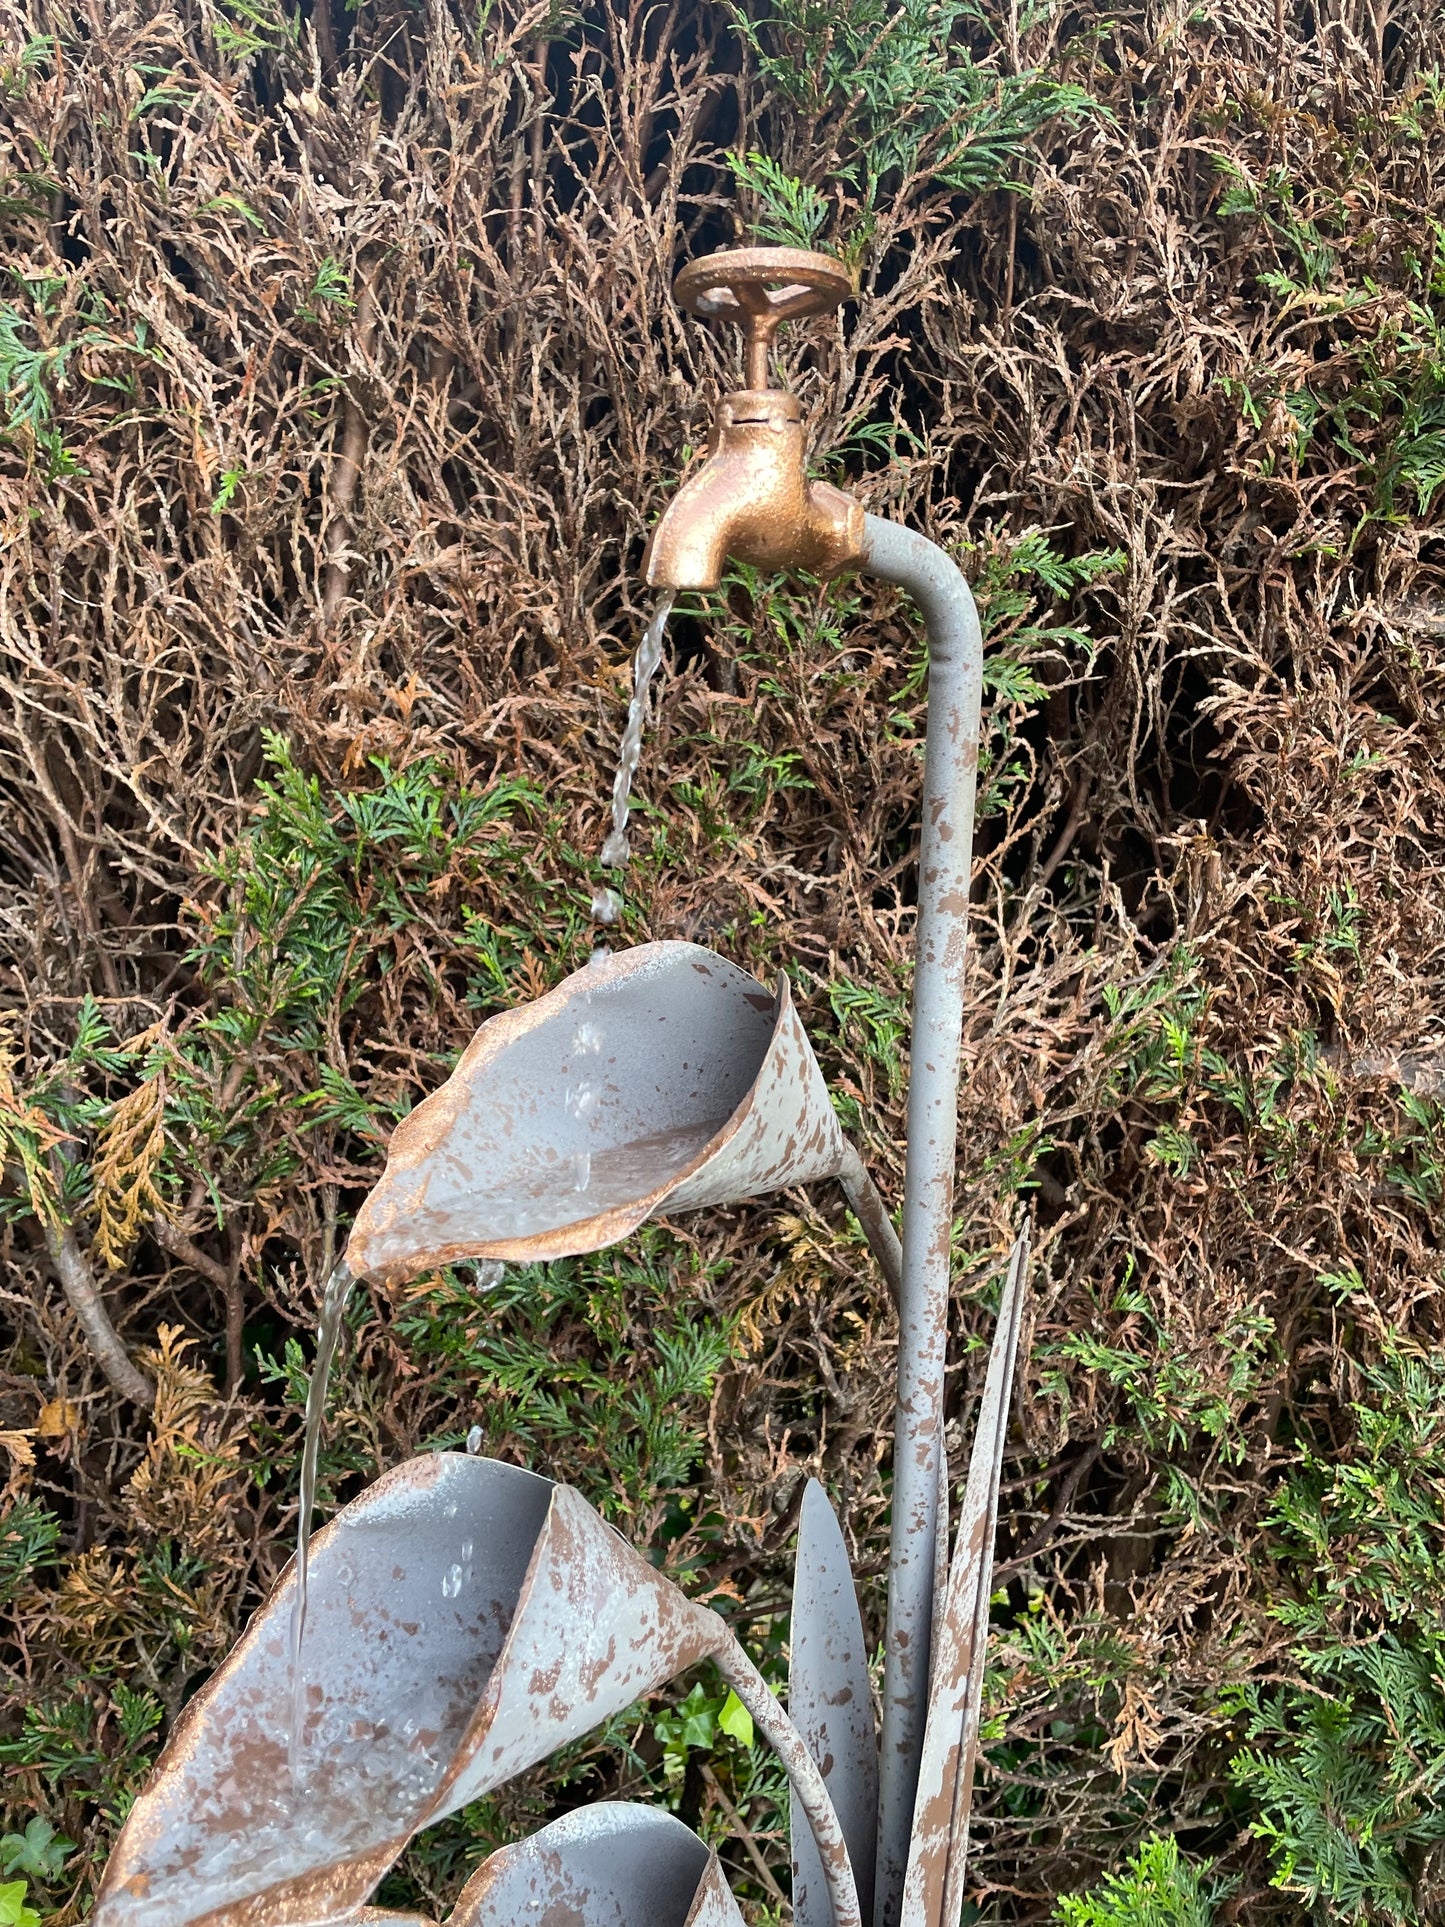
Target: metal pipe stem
(807,1782)
(955,690)
(867,1206)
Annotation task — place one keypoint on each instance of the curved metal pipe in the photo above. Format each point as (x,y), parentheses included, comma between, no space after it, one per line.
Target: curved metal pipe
(955,696)
(804,1776)
(867,1206)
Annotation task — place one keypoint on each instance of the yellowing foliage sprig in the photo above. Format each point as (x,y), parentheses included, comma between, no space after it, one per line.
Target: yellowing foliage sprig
(129,1151)
(28,1136)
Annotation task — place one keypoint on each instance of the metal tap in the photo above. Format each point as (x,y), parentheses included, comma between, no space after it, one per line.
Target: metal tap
(751,500)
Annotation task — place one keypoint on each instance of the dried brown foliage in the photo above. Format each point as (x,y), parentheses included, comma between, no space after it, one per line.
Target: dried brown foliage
(352,387)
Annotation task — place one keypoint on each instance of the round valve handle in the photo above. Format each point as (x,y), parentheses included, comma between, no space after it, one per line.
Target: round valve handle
(760,288)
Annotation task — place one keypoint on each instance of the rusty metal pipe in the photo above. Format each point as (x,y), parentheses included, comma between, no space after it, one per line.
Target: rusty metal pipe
(803,1776)
(867,1206)
(955,693)
(751,500)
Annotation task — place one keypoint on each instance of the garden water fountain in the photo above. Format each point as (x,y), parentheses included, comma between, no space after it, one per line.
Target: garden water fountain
(462,1619)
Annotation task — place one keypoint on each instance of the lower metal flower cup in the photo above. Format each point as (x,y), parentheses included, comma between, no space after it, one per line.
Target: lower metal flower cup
(466,1619)
(659,1077)
(608,1865)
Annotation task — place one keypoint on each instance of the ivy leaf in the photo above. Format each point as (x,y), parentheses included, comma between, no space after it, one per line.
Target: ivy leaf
(13,1911)
(735,1720)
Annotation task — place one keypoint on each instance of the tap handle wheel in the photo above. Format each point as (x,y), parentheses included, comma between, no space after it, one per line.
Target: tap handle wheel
(760,288)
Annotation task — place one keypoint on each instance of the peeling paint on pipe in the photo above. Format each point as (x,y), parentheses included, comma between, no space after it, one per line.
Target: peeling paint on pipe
(955,694)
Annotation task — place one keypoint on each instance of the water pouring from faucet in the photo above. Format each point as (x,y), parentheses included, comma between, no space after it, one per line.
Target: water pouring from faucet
(615,849)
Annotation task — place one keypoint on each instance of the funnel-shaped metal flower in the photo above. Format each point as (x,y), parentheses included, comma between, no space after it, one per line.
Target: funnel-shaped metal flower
(661,1076)
(465,1620)
(604,1866)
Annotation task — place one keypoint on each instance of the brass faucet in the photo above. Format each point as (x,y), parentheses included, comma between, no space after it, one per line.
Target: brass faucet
(751,499)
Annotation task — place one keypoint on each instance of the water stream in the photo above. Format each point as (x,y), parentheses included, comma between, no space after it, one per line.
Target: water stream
(616,1172)
(328,1333)
(588,1039)
(607,905)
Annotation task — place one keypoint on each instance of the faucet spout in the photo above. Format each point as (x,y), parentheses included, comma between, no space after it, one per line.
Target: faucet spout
(752,501)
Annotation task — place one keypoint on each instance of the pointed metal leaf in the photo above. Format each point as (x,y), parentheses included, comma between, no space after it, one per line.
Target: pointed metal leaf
(610,1865)
(702,1089)
(830,1703)
(933,1886)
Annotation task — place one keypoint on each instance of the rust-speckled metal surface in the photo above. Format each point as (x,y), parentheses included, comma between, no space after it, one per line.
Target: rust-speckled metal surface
(804,1777)
(466,1619)
(955,682)
(704,1089)
(933,1886)
(831,1704)
(603,1866)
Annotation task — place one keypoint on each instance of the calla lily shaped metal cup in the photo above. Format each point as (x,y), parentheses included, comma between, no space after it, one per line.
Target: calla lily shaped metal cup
(607,1863)
(702,1089)
(468,1618)
(612,1865)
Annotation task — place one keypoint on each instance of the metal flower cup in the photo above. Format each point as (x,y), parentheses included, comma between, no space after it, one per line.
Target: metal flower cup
(608,1865)
(467,1619)
(660,1078)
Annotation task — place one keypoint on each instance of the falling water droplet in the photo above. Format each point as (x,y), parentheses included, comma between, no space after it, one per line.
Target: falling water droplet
(616,850)
(489,1274)
(581,1170)
(606,907)
(474,1440)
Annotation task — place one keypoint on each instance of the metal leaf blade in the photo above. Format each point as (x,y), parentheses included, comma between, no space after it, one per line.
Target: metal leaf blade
(830,1703)
(610,1865)
(933,1886)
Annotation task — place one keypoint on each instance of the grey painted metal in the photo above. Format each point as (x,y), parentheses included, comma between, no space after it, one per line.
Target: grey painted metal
(933,1888)
(609,1865)
(676,1077)
(955,684)
(871,1212)
(940,1554)
(808,1787)
(467,1618)
(831,1704)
